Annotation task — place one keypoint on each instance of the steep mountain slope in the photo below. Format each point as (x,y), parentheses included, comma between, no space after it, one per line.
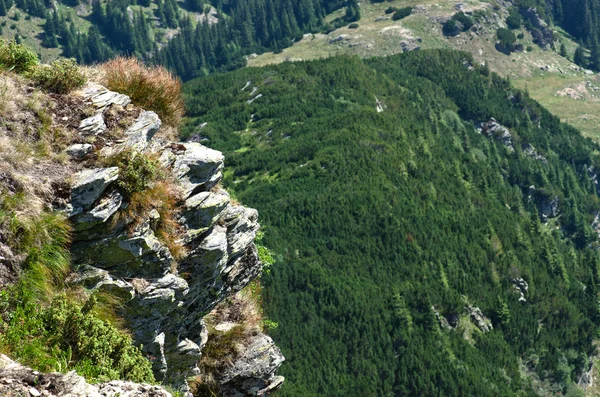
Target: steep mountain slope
(431,224)
(191,37)
(121,255)
(564,88)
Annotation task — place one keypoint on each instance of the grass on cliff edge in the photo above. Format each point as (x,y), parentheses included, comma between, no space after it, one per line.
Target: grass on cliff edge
(152,88)
(41,324)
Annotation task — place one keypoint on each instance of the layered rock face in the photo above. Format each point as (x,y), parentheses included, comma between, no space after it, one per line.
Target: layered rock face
(166,299)
(17,380)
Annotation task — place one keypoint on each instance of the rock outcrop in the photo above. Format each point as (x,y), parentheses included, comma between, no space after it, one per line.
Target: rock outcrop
(478,318)
(17,380)
(166,299)
(541,33)
(493,129)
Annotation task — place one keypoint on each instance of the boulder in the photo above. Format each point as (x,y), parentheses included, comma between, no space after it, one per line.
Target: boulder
(126,254)
(107,207)
(481,321)
(493,129)
(89,185)
(141,132)
(197,168)
(242,226)
(202,210)
(101,97)
(93,125)
(79,150)
(18,380)
(252,373)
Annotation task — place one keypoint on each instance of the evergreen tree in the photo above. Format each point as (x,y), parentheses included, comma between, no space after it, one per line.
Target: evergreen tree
(563,50)
(2,8)
(97,12)
(579,57)
(595,55)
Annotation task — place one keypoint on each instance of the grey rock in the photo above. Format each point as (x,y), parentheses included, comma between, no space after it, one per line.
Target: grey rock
(166,300)
(101,97)
(107,207)
(89,185)
(125,254)
(129,389)
(252,373)
(202,210)
(115,287)
(79,150)
(89,276)
(242,225)
(530,151)
(93,125)
(481,321)
(141,132)
(493,129)
(198,167)
(17,380)
(521,286)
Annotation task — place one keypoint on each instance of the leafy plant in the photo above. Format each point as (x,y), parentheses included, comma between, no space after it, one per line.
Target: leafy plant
(67,336)
(61,76)
(401,13)
(16,57)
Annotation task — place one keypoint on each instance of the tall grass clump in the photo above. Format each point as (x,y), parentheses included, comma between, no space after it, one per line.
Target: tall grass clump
(152,88)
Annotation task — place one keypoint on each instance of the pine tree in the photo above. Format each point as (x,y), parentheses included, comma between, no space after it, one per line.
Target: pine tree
(2,8)
(563,50)
(170,12)
(579,57)
(595,55)
(97,13)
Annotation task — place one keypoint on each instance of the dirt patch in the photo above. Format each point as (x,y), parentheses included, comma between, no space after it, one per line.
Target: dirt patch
(69,111)
(576,91)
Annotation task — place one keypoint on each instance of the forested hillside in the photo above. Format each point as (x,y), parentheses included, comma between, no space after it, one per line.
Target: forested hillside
(191,37)
(416,255)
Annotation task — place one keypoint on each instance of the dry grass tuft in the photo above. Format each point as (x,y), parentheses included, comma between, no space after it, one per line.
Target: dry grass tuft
(244,315)
(152,88)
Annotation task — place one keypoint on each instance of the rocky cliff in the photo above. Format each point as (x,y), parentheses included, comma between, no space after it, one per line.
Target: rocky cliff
(169,258)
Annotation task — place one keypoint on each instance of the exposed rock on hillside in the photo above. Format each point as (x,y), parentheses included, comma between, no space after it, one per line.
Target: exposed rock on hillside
(166,298)
(493,129)
(17,380)
(166,283)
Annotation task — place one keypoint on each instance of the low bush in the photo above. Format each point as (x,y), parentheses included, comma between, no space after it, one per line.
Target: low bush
(152,88)
(61,76)
(353,26)
(137,171)
(16,57)
(401,13)
(39,326)
(67,336)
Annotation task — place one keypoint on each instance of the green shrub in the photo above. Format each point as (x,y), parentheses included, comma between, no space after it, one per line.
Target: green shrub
(61,76)
(16,57)
(401,13)
(67,336)
(137,173)
(353,26)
